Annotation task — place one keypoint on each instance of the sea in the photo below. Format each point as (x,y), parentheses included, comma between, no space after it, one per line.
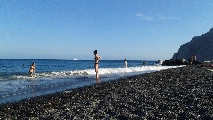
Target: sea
(54,75)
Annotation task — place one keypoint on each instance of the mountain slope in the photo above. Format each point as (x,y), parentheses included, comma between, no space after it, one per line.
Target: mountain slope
(201,46)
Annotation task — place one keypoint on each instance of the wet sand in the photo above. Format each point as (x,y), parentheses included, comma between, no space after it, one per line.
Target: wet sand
(180,93)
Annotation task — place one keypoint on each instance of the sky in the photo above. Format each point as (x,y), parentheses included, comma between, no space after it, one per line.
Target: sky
(118,29)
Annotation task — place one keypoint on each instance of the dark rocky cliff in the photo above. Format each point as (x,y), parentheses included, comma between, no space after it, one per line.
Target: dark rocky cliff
(201,46)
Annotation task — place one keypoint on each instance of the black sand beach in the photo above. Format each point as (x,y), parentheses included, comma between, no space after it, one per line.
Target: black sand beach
(181,93)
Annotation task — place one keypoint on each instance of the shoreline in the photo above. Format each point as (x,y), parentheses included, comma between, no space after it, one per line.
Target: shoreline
(22,88)
(178,93)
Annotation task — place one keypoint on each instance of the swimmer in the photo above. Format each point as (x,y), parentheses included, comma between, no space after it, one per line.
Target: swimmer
(32,70)
(97,58)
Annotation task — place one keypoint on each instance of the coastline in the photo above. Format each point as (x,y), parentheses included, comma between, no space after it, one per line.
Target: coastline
(180,93)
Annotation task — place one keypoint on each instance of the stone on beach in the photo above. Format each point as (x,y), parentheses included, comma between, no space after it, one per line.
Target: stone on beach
(180,93)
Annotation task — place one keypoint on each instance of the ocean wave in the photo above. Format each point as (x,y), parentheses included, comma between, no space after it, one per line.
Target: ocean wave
(91,72)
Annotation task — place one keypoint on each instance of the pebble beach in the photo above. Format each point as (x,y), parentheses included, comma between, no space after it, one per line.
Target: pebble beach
(178,93)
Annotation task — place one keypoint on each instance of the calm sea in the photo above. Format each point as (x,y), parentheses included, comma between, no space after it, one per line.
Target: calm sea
(60,75)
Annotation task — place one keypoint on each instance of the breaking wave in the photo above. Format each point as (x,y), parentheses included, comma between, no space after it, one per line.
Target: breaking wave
(91,72)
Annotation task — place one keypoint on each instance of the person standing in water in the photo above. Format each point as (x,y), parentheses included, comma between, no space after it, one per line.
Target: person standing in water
(32,69)
(125,63)
(97,58)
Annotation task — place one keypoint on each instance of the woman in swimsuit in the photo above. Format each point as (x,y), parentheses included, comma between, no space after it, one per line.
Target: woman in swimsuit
(97,58)
(32,69)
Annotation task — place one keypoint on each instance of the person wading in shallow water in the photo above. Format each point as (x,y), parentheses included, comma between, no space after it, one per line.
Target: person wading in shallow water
(32,70)
(97,58)
(125,63)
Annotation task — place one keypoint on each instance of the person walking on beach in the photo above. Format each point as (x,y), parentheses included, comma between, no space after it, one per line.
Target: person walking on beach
(125,63)
(97,58)
(191,60)
(32,70)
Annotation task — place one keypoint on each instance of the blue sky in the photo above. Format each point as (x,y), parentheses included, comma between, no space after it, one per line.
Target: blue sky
(118,29)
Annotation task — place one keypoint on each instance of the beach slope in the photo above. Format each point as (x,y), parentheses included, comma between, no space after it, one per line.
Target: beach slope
(180,93)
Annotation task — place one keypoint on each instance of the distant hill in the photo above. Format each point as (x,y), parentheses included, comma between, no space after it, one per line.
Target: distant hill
(201,46)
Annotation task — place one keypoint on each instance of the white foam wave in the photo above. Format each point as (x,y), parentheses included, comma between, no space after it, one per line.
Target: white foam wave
(102,71)
(134,69)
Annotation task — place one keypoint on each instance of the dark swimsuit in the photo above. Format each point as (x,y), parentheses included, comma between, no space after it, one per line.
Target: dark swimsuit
(30,73)
(96,60)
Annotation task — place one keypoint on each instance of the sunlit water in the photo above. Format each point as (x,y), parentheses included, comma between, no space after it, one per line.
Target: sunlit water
(59,75)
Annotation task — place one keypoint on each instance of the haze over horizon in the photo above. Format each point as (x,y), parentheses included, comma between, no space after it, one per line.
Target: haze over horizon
(135,30)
